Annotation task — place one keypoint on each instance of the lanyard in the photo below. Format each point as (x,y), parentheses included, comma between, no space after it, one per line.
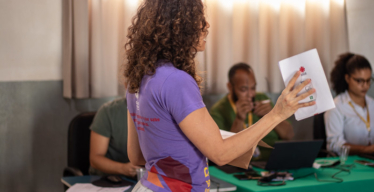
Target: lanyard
(250,117)
(367,123)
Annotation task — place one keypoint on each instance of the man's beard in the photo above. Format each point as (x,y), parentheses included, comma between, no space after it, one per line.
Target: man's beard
(234,96)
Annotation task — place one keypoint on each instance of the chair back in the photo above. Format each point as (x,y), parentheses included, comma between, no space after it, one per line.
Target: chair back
(79,141)
(319,130)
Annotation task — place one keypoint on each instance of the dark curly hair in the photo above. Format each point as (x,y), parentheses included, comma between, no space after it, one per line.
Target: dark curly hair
(166,30)
(347,63)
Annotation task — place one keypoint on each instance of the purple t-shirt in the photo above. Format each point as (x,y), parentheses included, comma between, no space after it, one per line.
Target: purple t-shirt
(164,100)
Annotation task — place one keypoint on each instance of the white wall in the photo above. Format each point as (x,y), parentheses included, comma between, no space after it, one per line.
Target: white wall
(360,17)
(34,117)
(30,40)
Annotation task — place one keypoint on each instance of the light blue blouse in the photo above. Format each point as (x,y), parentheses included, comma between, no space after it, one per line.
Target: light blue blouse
(343,125)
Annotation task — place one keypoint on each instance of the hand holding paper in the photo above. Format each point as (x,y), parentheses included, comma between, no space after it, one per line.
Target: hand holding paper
(286,106)
(309,66)
(288,101)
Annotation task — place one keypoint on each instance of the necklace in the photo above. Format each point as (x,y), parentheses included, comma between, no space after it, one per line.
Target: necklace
(367,122)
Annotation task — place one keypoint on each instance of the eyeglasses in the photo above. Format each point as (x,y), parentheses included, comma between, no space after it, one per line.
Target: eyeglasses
(362,81)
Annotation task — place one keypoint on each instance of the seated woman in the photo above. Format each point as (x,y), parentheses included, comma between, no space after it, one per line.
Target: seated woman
(349,123)
(108,148)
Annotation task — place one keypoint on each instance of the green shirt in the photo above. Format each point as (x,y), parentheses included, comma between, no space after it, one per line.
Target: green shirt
(224,115)
(111,121)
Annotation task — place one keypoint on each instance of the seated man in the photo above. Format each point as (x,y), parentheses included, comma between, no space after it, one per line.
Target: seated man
(243,107)
(108,148)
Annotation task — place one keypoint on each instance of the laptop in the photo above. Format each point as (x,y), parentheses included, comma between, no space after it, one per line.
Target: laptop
(291,155)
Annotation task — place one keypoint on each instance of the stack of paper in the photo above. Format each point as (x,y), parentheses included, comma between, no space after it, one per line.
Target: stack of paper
(88,187)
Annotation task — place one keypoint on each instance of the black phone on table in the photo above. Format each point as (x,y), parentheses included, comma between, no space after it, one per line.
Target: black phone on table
(364,162)
(249,175)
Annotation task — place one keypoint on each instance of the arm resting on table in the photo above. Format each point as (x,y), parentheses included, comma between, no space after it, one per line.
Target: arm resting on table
(98,160)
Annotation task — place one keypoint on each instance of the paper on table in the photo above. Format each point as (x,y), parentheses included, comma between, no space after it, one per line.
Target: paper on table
(243,161)
(309,64)
(88,187)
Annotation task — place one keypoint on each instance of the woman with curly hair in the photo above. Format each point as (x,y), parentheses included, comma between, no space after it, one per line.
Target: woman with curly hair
(349,123)
(170,130)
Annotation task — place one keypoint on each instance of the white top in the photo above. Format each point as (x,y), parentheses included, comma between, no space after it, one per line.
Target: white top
(343,125)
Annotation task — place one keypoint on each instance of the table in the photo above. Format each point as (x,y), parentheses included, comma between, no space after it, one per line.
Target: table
(361,179)
(70,181)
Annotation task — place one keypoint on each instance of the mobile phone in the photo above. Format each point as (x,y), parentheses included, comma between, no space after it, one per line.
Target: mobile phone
(364,162)
(252,173)
(249,175)
(269,177)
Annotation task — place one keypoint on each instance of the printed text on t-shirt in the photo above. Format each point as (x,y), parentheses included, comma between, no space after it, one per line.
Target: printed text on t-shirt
(141,122)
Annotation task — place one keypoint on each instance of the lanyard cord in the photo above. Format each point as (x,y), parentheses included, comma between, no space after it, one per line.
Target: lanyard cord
(367,122)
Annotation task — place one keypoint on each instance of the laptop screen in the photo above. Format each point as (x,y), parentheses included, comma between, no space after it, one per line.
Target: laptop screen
(293,154)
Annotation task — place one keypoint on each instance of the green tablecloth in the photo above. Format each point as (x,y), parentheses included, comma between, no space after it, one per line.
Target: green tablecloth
(361,179)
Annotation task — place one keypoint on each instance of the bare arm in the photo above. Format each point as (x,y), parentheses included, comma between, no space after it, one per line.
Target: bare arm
(203,132)
(133,148)
(285,130)
(210,142)
(98,148)
(360,149)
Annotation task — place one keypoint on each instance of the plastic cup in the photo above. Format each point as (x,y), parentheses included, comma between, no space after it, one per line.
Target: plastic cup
(344,151)
(140,172)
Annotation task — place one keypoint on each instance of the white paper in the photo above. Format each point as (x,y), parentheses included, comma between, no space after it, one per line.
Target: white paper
(226,134)
(310,64)
(88,187)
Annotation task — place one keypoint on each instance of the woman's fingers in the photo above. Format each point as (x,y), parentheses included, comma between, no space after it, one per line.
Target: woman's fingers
(300,87)
(288,102)
(305,95)
(292,82)
(301,105)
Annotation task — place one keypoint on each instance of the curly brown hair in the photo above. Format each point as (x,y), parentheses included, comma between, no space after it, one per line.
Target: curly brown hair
(347,63)
(163,30)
